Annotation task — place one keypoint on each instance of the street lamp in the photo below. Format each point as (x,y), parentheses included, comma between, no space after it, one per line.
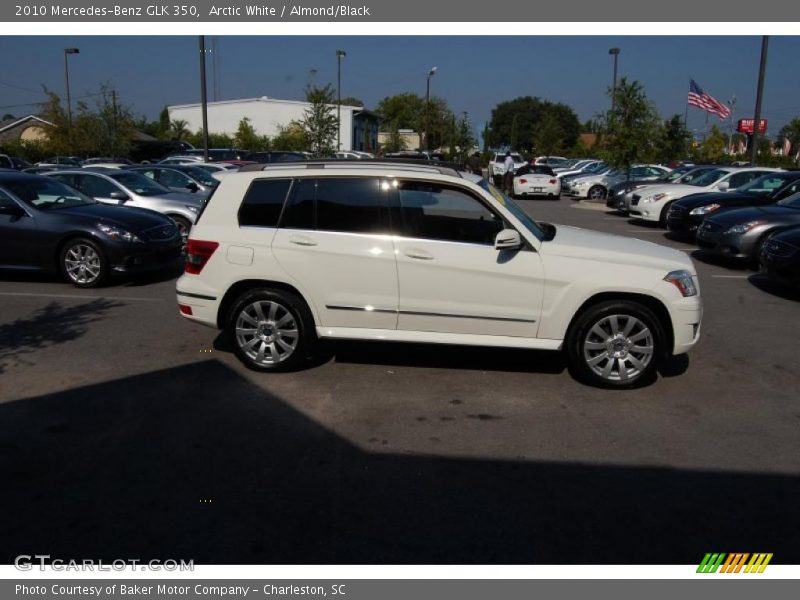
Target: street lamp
(67,52)
(615,53)
(203,95)
(431,73)
(340,54)
(762,69)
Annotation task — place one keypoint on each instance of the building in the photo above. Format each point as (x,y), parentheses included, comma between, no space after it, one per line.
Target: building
(358,128)
(29,128)
(411,139)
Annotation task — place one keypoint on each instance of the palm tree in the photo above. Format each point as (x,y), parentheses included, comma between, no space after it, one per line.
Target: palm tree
(179,129)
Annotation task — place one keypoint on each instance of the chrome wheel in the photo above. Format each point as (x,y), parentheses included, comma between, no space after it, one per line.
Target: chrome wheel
(618,347)
(266,332)
(82,264)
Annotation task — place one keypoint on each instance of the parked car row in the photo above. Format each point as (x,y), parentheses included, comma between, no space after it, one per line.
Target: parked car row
(745,214)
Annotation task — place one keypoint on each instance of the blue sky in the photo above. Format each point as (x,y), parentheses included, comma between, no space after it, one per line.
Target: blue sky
(475,73)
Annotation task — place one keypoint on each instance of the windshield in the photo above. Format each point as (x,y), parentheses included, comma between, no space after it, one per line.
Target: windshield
(47,194)
(596,167)
(766,184)
(202,176)
(139,184)
(708,178)
(791,201)
(514,209)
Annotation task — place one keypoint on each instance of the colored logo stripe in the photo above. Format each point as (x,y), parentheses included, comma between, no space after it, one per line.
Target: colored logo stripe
(710,563)
(734,562)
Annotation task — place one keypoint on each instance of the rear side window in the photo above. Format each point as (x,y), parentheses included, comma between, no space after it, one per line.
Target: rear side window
(263,202)
(347,204)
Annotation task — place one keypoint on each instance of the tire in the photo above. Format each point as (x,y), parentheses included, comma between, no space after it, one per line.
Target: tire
(755,258)
(271,330)
(184,226)
(83,263)
(596,192)
(627,352)
(662,218)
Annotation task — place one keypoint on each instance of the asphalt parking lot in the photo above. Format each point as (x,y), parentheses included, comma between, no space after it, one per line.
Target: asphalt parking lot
(126,431)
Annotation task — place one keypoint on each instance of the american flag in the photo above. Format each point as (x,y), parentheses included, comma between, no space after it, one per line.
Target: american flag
(700,99)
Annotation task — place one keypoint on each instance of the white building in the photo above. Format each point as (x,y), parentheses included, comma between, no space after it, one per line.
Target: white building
(359,127)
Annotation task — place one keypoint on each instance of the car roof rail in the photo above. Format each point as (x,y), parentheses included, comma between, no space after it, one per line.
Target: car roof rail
(428,166)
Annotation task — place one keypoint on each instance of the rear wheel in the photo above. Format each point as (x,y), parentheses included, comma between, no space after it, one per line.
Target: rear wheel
(271,330)
(615,344)
(184,226)
(662,218)
(84,263)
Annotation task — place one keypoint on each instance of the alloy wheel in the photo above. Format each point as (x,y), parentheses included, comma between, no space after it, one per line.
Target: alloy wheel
(618,347)
(267,332)
(82,264)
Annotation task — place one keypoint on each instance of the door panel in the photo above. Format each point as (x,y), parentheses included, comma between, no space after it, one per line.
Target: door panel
(351,274)
(19,235)
(452,279)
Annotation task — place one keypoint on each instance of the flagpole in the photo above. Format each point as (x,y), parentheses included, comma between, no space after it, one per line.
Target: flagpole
(686,110)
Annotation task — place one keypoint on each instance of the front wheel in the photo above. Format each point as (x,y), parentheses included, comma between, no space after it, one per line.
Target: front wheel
(271,330)
(184,226)
(597,192)
(615,344)
(83,263)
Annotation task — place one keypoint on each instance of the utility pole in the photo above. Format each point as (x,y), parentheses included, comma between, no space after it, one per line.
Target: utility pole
(759,97)
(203,95)
(340,54)
(114,123)
(615,53)
(67,52)
(431,73)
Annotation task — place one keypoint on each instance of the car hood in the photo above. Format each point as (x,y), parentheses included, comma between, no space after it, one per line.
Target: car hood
(575,242)
(695,200)
(130,218)
(675,190)
(768,213)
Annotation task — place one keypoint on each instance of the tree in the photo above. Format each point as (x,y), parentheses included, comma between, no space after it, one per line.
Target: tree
(673,141)
(179,129)
(396,142)
(291,138)
(463,140)
(407,111)
(163,123)
(630,131)
(246,137)
(791,132)
(515,122)
(713,147)
(548,138)
(8,117)
(319,121)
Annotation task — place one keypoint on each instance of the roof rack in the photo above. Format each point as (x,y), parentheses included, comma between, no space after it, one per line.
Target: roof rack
(430,166)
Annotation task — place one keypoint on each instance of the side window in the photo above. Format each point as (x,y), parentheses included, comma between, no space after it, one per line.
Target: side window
(263,202)
(637,172)
(355,205)
(6,203)
(434,212)
(149,173)
(789,190)
(739,179)
(67,179)
(173,179)
(96,187)
(349,204)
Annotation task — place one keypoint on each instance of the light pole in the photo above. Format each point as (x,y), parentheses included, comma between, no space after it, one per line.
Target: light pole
(431,73)
(204,96)
(67,52)
(759,97)
(615,53)
(340,54)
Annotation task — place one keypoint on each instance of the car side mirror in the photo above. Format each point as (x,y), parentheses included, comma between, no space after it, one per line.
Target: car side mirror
(723,186)
(121,196)
(192,186)
(508,239)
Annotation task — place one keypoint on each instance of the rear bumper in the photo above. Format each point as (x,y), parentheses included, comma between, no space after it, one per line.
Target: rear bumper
(197,302)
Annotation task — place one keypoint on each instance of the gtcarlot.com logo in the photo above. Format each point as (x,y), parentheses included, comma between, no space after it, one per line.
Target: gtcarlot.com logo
(736,562)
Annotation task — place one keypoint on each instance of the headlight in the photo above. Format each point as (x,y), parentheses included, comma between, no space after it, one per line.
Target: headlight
(682,280)
(579,183)
(745,227)
(116,234)
(702,210)
(191,208)
(658,197)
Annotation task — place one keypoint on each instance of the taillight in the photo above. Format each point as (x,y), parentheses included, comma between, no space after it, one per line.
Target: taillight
(197,254)
(523,181)
(185,309)
(553,181)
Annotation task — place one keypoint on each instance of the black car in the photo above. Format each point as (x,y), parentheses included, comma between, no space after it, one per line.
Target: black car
(616,193)
(780,257)
(13,162)
(685,215)
(48,226)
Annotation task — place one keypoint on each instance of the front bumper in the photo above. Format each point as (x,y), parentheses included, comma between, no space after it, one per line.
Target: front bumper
(133,258)
(732,245)
(681,222)
(785,269)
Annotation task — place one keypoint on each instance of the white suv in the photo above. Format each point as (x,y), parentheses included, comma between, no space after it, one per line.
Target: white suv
(284,255)
(497,165)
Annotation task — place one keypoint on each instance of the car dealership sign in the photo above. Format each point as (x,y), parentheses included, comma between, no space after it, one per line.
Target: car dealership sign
(746,126)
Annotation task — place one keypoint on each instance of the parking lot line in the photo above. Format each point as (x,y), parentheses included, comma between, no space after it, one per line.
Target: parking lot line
(81,297)
(645,231)
(731,276)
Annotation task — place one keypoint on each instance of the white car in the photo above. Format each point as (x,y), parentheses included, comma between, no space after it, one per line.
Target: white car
(596,185)
(589,166)
(536,181)
(652,203)
(286,255)
(497,167)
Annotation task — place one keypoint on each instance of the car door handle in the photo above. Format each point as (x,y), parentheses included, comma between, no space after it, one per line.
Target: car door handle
(418,253)
(302,240)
